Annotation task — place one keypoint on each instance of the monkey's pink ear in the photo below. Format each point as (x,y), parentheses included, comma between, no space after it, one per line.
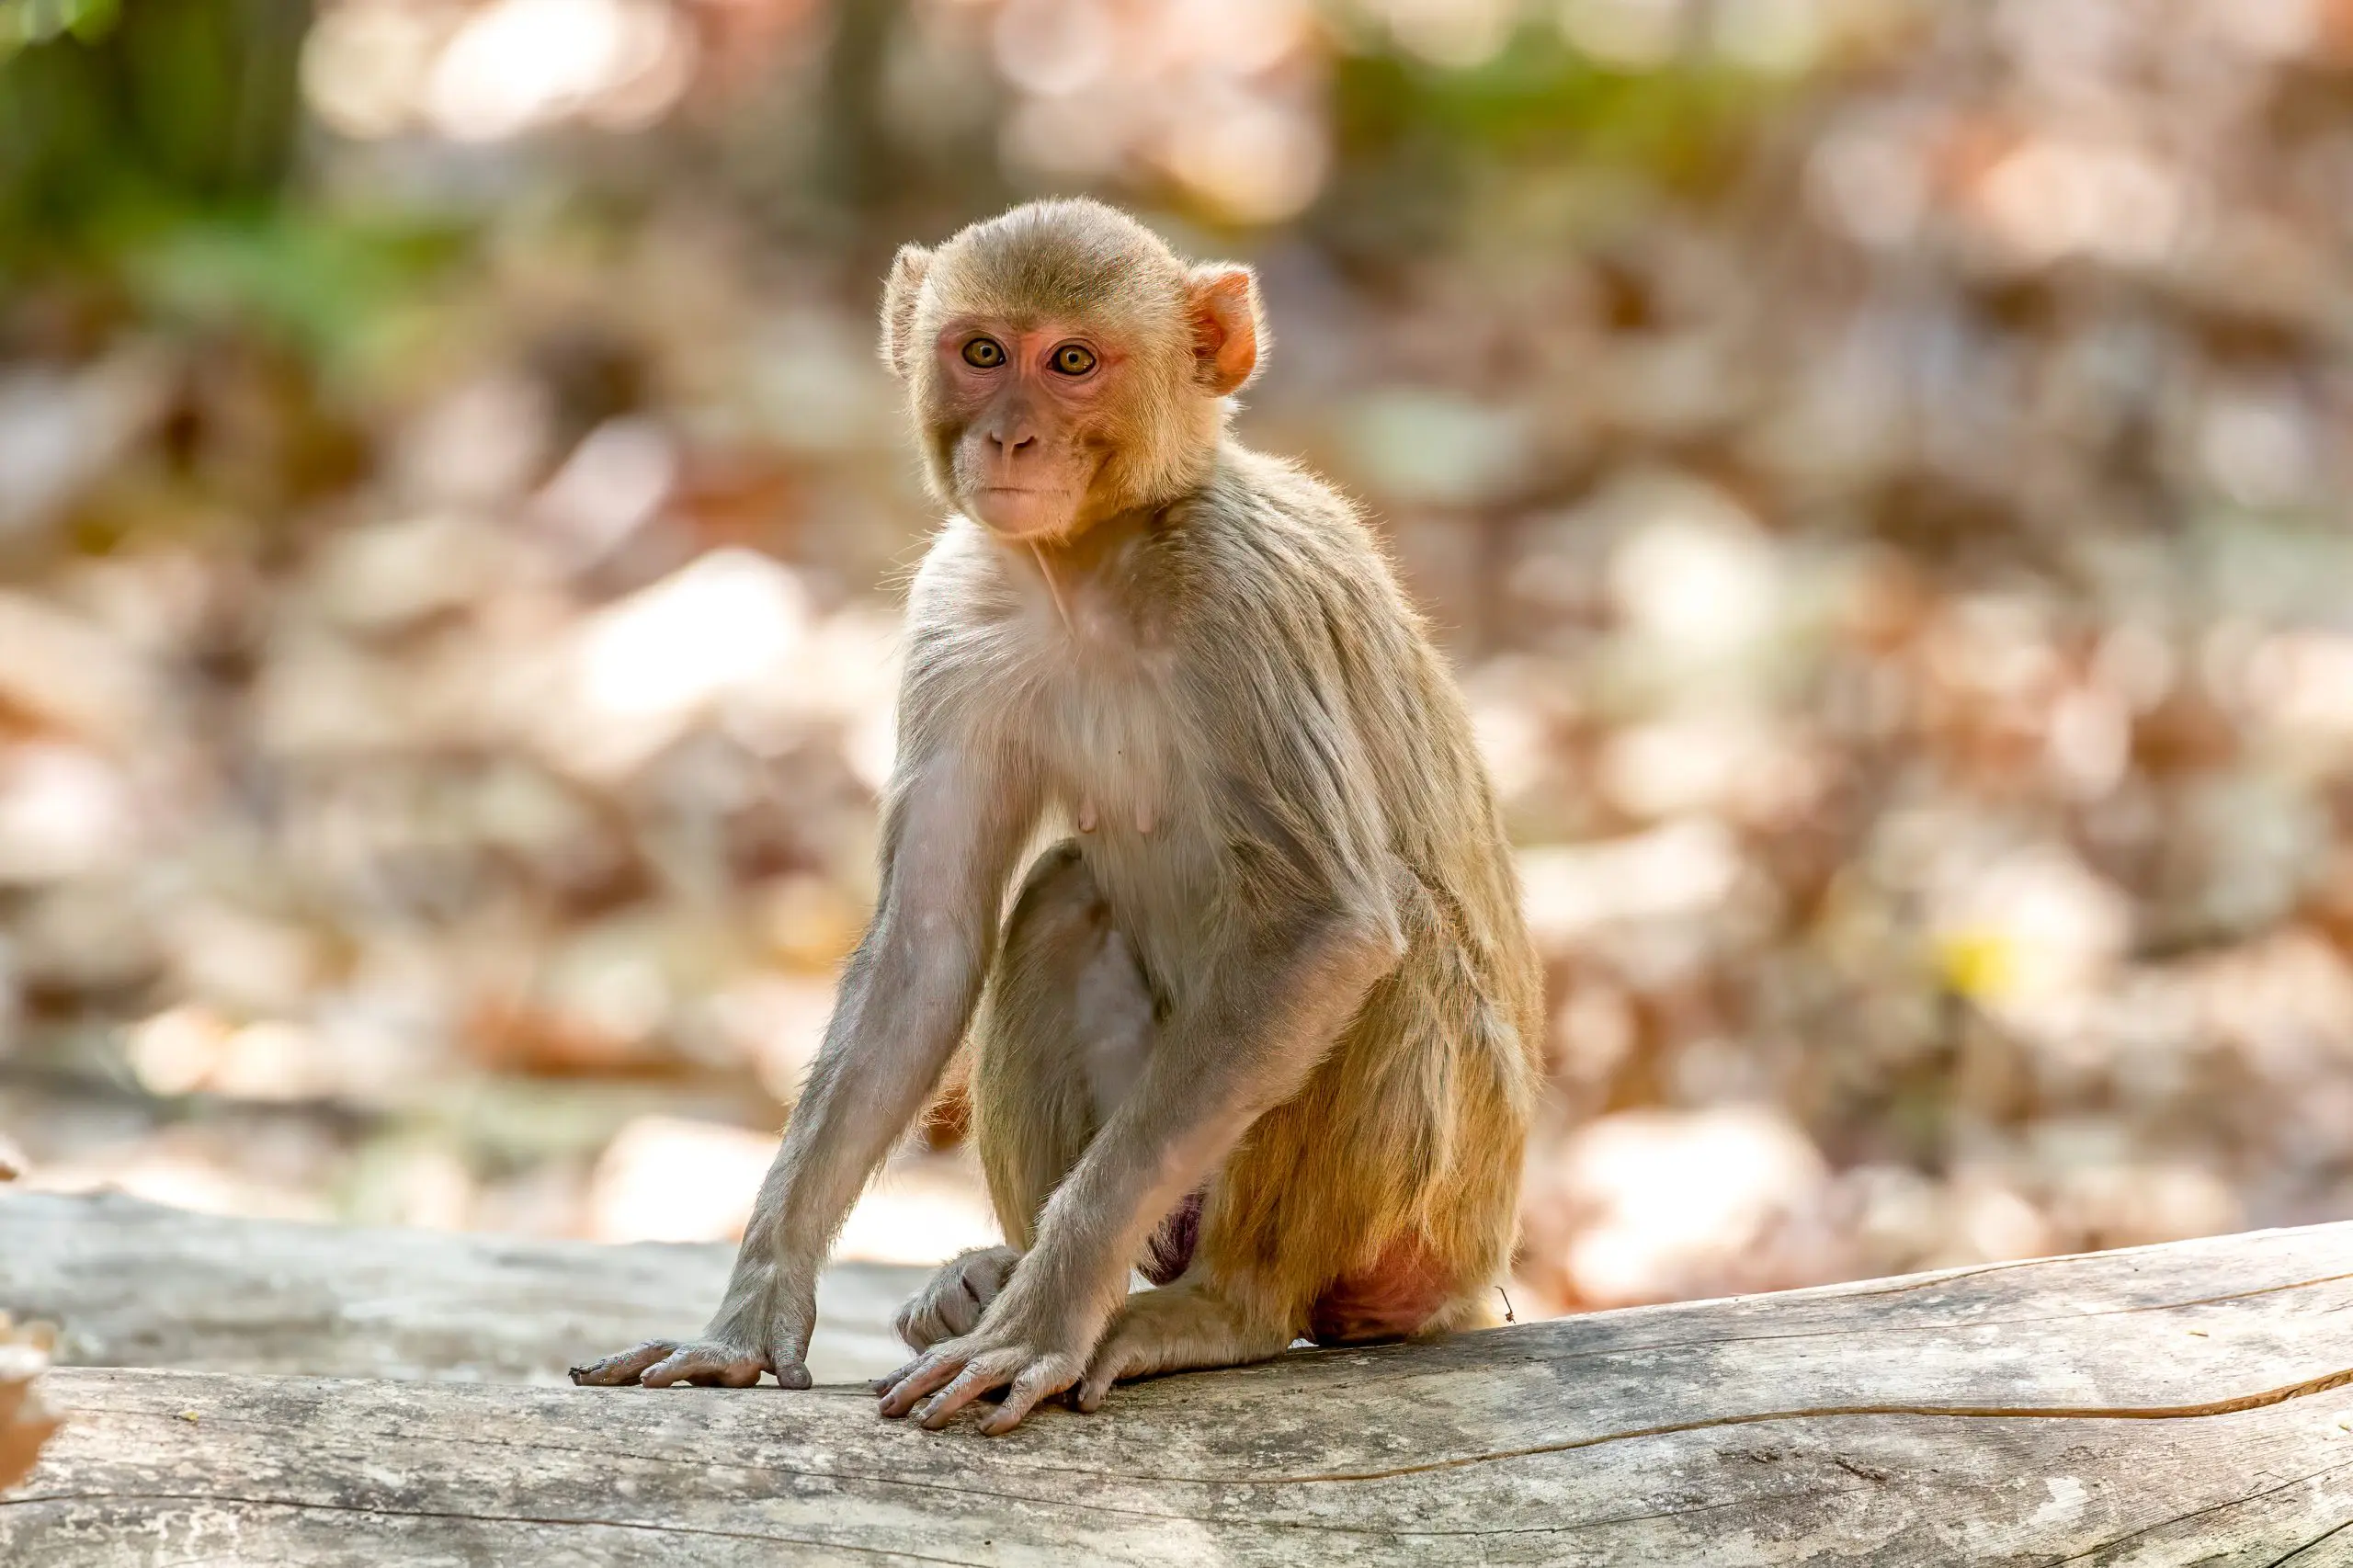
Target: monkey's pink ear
(1229,325)
(908,269)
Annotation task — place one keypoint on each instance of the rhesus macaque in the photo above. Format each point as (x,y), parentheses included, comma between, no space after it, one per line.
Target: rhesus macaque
(1265,1024)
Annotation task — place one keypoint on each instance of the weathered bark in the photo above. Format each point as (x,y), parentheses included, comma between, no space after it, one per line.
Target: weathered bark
(2170,1405)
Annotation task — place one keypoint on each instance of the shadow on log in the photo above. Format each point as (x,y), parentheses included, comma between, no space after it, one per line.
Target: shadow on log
(2169,1405)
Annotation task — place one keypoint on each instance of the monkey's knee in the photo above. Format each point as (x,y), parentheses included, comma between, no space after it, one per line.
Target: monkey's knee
(1059,897)
(953,1304)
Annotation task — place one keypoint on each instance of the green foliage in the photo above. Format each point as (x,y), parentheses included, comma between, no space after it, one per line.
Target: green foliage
(327,287)
(26,22)
(1414,139)
(116,125)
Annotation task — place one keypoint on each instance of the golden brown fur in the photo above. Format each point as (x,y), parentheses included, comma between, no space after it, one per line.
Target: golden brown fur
(1278,959)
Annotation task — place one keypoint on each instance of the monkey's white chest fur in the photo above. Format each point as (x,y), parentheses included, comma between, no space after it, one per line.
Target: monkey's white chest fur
(1102,718)
(1064,677)
(1081,684)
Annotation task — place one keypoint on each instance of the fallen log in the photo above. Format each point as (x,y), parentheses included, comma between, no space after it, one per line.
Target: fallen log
(2179,1404)
(134,1284)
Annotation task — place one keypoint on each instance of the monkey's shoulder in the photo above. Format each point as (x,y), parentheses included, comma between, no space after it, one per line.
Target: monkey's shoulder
(1253,496)
(1267,554)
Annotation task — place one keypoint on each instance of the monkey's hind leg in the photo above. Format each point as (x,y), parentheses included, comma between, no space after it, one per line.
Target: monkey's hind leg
(1065,1005)
(1193,1323)
(1066,1022)
(953,1304)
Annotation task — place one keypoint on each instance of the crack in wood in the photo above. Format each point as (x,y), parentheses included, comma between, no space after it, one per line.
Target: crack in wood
(1962,1411)
(2227,1504)
(2321,1538)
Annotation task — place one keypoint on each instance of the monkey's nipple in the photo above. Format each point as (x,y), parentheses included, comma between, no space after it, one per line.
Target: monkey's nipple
(1144,816)
(1086,814)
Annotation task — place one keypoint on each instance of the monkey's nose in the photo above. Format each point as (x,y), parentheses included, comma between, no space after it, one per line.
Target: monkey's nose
(1011,442)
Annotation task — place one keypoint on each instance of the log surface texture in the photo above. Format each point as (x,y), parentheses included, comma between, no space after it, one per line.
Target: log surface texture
(2170,1405)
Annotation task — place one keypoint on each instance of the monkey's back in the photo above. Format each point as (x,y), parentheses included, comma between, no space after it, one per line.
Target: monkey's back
(1307,653)
(1362,726)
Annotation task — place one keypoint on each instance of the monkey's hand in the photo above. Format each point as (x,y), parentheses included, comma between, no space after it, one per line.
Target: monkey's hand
(1032,1357)
(765,1329)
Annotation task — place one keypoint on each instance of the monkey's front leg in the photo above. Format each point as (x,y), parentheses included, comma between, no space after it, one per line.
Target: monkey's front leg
(1242,1048)
(949,842)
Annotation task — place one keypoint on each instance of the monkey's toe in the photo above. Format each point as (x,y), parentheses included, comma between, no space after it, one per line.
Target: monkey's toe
(707,1365)
(620,1370)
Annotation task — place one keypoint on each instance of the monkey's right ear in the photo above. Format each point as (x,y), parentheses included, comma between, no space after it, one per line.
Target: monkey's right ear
(908,271)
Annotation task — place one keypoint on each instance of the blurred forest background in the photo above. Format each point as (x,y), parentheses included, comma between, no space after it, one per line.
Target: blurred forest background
(1879,468)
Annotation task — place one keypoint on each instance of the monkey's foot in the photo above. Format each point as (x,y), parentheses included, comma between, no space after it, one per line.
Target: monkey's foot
(953,1304)
(1172,1329)
(957,1372)
(705,1363)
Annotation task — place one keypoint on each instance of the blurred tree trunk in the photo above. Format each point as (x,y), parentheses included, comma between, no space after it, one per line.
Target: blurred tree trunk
(858,159)
(176,109)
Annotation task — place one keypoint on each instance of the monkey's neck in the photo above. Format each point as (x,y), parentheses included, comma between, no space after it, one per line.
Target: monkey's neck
(1046,570)
(1067,564)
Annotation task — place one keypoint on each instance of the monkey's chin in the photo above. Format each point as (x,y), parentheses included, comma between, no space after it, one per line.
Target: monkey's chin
(1023,516)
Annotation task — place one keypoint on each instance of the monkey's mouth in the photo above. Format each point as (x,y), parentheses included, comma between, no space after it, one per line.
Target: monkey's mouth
(1021,511)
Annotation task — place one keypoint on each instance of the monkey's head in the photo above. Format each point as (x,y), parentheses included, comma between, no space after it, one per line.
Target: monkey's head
(1063,365)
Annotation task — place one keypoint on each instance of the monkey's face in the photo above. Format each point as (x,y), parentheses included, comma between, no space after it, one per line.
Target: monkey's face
(1025,418)
(1063,365)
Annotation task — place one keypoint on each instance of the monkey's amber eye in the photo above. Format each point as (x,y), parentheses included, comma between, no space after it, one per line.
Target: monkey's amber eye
(984,352)
(1074,358)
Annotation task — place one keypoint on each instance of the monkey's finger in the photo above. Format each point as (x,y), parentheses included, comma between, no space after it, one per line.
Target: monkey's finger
(692,1363)
(793,1375)
(1039,1381)
(888,1380)
(616,1371)
(918,1378)
(880,1387)
(976,1380)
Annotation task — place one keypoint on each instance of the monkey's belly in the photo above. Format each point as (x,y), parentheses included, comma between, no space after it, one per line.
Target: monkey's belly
(1406,1288)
